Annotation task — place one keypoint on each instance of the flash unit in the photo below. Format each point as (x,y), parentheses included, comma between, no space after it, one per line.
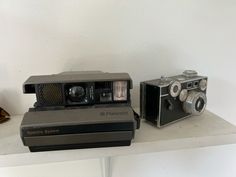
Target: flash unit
(120,90)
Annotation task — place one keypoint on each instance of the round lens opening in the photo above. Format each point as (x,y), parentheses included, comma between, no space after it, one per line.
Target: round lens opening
(200,103)
(76,93)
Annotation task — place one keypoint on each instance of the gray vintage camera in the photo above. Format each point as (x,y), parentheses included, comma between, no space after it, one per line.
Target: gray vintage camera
(79,110)
(169,99)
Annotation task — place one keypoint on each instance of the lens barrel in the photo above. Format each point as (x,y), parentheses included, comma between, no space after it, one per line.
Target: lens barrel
(195,103)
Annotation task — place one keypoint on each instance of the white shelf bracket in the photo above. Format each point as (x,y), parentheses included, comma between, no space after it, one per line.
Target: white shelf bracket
(106,166)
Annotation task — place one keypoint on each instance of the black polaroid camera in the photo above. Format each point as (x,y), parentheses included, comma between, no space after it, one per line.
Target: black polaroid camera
(79,110)
(168,99)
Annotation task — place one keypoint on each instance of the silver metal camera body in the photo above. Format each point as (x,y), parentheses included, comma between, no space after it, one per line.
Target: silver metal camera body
(168,99)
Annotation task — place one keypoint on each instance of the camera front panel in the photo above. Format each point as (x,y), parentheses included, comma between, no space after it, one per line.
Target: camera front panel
(171,110)
(97,93)
(175,108)
(82,93)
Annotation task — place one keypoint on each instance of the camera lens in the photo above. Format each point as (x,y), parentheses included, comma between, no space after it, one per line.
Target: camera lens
(76,93)
(195,103)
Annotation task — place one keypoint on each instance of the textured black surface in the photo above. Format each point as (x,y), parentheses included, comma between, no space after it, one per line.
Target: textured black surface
(176,113)
(152,103)
(49,94)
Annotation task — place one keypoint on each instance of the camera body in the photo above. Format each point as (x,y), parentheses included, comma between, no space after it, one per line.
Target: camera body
(168,99)
(70,89)
(79,110)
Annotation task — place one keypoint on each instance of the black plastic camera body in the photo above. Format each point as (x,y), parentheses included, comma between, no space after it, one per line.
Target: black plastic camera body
(70,89)
(168,99)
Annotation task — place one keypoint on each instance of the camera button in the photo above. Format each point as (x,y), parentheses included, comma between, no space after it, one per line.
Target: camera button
(203,84)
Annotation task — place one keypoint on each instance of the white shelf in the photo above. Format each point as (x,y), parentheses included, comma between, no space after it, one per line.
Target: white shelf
(201,131)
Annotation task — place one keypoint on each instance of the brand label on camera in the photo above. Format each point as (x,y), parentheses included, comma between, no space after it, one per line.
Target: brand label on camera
(42,132)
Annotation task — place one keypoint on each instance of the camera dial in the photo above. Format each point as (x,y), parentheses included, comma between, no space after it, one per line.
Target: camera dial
(203,84)
(183,95)
(190,73)
(175,88)
(195,103)
(76,93)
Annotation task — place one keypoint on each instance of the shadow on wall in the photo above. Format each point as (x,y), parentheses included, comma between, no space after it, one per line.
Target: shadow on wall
(222,103)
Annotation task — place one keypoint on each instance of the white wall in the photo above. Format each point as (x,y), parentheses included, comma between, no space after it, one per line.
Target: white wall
(146,38)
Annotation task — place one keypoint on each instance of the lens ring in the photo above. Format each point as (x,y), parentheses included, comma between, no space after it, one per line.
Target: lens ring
(175,88)
(199,105)
(192,105)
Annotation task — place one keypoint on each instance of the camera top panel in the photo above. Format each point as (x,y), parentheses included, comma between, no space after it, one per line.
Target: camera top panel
(183,78)
(79,88)
(73,77)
